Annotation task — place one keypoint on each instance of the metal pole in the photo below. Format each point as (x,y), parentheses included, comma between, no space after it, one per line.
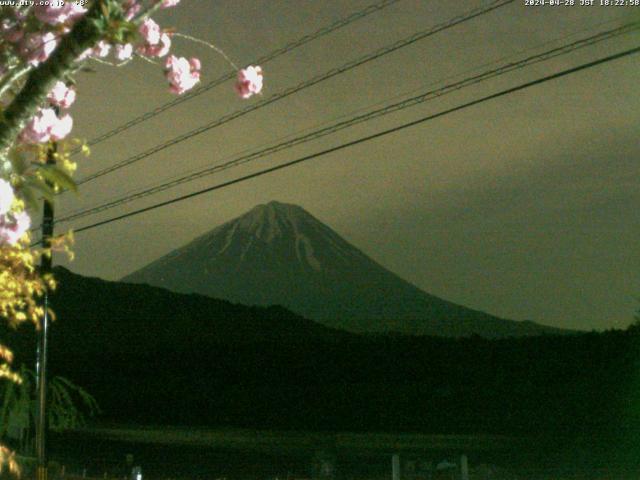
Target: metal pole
(43,339)
(395,467)
(464,467)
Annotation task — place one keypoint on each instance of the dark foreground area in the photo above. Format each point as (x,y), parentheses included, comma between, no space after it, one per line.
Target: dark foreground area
(190,453)
(152,357)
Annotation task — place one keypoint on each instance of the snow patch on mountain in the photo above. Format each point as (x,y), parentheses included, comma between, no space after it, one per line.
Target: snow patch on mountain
(228,238)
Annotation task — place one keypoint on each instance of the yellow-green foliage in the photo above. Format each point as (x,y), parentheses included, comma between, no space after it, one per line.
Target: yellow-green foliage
(21,283)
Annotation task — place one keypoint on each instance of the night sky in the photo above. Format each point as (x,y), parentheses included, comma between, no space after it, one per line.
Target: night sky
(526,207)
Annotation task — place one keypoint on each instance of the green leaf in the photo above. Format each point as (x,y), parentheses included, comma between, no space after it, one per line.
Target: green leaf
(57,177)
(105,9)
(37,188)
(31,199)
(19,162)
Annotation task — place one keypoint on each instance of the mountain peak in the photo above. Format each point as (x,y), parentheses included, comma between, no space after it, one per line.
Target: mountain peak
(277,210)
(282,206)
(272,220)
(279,254)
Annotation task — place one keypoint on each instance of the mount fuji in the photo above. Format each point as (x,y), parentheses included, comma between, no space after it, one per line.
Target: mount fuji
(279,254)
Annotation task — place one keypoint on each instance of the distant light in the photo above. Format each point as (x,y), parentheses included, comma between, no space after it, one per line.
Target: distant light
(136,473)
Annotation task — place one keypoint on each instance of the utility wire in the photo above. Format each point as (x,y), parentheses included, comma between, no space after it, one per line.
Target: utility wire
(379,103)
(367,138)
(410,102)
(338,24)
(301,86)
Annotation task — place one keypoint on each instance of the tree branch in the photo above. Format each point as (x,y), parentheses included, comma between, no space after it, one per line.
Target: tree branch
(85,34)
(13,75)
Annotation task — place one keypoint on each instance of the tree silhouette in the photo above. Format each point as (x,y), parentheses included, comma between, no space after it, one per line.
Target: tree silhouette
(69,407)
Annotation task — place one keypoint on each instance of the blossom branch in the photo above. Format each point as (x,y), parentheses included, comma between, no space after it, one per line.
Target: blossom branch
(13,76)
(85,34)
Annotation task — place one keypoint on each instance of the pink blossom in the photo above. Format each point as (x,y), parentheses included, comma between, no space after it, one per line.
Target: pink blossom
(45,126)
(36,47)
(158,50)
(61,95)
(55,15)
(101,49)
(181,73)
(13,227)
(84,55)
(6,196)
(150,31)
(38,130)
(62,127)
(131,9)
(169,3)
(124,52)
(157,43)
(249,81)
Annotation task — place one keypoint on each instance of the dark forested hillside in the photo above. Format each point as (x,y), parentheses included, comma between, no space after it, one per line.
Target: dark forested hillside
(153,356)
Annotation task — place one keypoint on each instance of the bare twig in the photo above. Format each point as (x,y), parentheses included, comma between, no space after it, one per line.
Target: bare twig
(207,44)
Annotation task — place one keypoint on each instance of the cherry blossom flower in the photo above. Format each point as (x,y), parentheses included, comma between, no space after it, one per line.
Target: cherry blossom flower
(158,50)
(84,55)
(45,126)
(123,52)
(150,31)
(249,81)
(181,73)
(36,47)
(61,127)
(157,43)
(56,14)
(61,95)
(169,3)
(38,130)
(6,196)
(101,49)
(131,8)
(13,227)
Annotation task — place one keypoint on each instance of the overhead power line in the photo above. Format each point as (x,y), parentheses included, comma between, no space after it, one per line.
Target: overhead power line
(338,24)
(367,138)
(409,102)
(301,86)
